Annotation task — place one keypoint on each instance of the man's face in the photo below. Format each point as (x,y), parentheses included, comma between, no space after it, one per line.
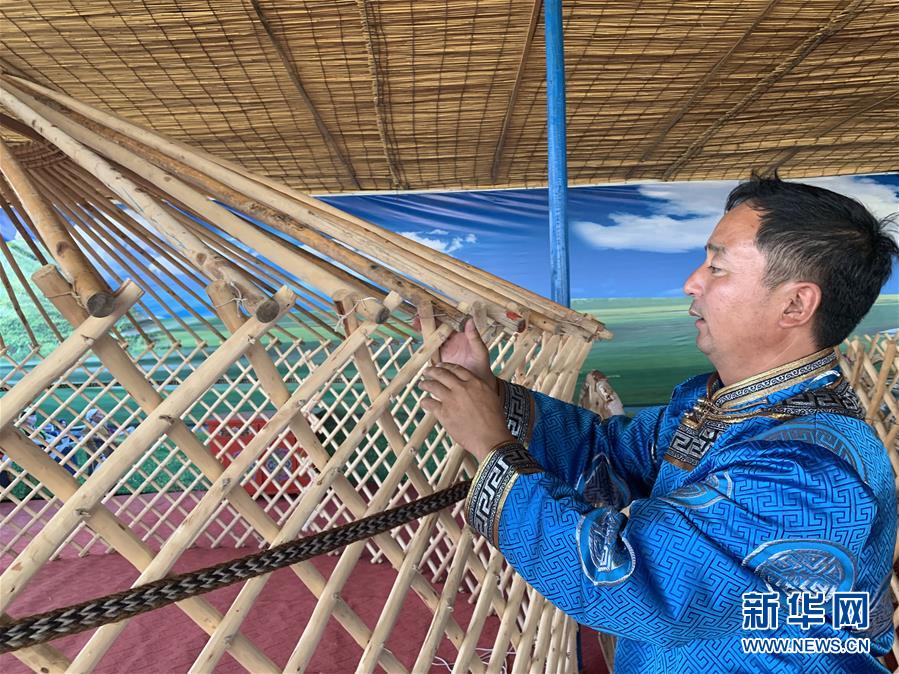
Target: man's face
(737,315)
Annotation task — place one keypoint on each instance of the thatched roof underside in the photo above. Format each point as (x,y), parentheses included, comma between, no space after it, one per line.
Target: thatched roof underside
(343,96)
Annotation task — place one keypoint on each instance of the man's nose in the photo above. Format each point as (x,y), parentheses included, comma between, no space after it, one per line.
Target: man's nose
(692,285)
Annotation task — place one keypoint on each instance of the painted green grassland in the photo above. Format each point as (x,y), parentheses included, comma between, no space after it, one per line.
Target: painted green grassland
(654,346)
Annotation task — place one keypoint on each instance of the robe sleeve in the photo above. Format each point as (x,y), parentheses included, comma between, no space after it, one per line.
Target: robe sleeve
(610,462)
(675,569)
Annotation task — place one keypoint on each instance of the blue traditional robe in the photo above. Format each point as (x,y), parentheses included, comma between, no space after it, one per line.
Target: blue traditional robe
(773,484)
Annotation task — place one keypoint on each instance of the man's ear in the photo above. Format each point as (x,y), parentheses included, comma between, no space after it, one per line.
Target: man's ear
(802,299)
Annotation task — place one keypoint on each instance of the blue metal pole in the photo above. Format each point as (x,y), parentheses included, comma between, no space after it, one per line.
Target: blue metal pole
(558,167)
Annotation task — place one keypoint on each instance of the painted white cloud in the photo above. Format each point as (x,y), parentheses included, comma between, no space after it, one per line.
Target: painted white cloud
(684,214)
(882,200)
(654,233)
(440,239)
(699,198)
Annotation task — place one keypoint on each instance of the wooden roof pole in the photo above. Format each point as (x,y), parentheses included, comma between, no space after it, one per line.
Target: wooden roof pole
(513,97)
(20,221)
(101,201)
(441,270)
(92,290)
(94,233)
(410,256)
(316,273)
(315,269)
(21,129)
(11,260)
(209,210)
(178,237)
(13,300)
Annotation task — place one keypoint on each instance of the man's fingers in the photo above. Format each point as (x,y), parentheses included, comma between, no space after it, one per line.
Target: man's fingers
(471,332)
(434,387)
(428,404)
(473,335)
(445,373)
(460,371)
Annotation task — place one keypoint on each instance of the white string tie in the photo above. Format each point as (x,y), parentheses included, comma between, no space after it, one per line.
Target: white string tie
(342,317)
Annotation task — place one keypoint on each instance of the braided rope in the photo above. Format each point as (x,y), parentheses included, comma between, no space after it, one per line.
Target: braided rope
(42,627)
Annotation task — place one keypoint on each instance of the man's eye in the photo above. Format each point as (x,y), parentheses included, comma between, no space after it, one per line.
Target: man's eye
(714,269)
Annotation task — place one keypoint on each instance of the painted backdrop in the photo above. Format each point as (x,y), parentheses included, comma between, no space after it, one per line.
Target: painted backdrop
(631,246)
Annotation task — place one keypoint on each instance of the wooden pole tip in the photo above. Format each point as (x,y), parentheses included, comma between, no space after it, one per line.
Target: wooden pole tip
(267,311)
(100,304)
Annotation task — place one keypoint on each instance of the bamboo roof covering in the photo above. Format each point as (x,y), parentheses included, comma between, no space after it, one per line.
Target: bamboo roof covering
(346,96)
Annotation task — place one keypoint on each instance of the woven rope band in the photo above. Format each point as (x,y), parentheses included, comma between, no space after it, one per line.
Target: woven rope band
(112,608)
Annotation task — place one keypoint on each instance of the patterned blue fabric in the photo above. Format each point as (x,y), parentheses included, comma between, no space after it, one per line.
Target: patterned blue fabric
(775,502)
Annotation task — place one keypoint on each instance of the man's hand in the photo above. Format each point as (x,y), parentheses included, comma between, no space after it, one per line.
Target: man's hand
(466,348)
(466,406)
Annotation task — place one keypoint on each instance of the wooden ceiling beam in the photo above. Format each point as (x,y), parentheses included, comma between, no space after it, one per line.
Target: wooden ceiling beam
(513,97)
(833,26)
(294,76)
(390,152)
(700,88)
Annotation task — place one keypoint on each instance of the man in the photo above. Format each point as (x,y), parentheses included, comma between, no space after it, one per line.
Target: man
(759,498)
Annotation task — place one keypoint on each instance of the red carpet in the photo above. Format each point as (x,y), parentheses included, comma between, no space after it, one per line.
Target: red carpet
(166,640)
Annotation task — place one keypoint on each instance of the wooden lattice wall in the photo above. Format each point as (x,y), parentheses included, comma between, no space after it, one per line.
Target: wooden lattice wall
(871,363)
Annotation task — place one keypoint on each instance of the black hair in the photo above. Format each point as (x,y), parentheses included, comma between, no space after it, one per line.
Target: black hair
(808,233)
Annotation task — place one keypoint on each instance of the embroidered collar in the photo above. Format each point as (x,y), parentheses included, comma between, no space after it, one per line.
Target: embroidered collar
(805,386)
(775,384)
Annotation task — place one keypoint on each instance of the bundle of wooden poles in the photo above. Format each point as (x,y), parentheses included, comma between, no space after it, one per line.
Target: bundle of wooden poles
(94,194)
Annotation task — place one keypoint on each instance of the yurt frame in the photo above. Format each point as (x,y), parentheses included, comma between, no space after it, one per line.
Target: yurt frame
(98,189)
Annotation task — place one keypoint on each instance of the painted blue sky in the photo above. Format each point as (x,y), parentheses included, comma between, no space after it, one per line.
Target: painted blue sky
(625,241)
(637,240)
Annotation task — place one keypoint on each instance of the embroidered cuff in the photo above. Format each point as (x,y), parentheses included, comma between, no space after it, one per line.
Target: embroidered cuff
(518,405)
(491,484)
